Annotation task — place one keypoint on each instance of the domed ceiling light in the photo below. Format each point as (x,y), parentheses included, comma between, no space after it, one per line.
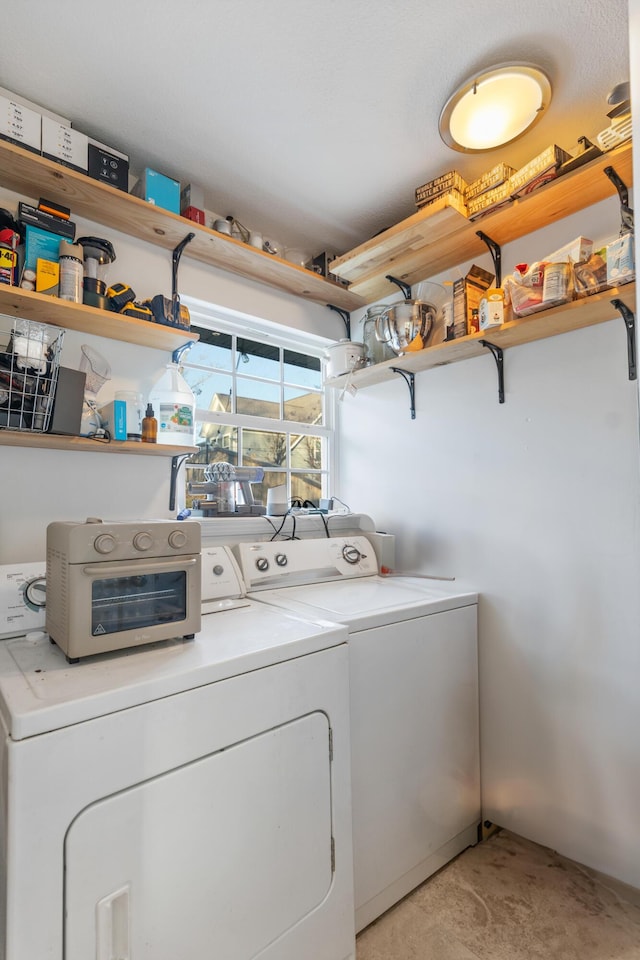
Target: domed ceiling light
(494,107)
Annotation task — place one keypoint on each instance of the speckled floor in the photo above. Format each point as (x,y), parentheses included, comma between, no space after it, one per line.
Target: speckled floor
(508,899)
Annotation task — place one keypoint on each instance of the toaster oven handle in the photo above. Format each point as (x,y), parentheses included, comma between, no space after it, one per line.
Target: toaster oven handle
(97,571)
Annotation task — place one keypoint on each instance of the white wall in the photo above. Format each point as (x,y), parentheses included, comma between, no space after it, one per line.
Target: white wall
(42,485)
(535,502)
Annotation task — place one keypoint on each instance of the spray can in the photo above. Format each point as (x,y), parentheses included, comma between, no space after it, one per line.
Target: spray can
(71,271)
(175,405)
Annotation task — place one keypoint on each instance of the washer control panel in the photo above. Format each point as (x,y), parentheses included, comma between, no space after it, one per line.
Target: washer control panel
(221,578)
(286,562)
(22,598)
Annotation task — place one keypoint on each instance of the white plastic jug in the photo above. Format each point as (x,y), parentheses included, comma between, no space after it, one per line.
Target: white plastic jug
(174,405)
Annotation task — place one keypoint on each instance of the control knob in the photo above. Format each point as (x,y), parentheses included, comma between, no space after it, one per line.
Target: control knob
(143,541)
(177,539)
(35,593)
(351,554)
(281,559)
(262,564)
(105,543)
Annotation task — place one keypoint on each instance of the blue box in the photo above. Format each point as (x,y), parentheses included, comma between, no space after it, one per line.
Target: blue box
(115,415)
(40,245)
(155,188)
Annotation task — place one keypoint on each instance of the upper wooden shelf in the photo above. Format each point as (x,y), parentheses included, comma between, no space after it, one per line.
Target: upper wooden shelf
(52,441)
(16,302)
(440,236)
(584,312)
(32,175)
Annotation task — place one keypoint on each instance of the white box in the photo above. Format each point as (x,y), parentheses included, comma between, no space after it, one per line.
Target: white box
(491,309)
(20,124)
(620,260)
(64,145)
(33,106)
(578,250)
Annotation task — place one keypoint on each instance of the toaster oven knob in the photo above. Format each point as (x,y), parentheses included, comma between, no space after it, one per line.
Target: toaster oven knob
(105,543)
(177,538)
(143,541)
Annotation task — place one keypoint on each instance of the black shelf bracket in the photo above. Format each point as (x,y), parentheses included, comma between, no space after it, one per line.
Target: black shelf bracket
(626,213)
(410,380)
(176,463)
(496,255)
(629,318)
(346,317)
(498,356)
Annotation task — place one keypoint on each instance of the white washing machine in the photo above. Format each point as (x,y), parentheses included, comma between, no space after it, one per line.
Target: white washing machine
(413,672)
(186,800)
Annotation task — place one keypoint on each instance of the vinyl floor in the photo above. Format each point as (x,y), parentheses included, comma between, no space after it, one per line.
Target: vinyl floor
(509,899)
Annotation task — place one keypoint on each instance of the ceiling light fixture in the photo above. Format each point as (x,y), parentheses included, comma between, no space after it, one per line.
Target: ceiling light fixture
(494,107)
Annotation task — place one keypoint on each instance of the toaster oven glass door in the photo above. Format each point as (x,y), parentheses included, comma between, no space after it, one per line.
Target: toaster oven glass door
(138,601)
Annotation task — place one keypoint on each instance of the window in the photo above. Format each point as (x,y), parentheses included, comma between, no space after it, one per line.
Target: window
(260,404)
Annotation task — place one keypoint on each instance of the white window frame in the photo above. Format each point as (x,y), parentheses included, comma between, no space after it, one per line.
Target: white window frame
(249,327)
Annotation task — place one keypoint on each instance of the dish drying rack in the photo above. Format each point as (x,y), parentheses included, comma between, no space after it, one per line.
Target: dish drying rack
(29,367)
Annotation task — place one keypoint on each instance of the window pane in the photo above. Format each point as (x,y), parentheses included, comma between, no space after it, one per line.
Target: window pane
(305,371)
(307,486)
(274,479)
(264,448)
(302,407)
(258,359)
(306,452)
(211,390)
(215,442)
(211,350)
(258,399)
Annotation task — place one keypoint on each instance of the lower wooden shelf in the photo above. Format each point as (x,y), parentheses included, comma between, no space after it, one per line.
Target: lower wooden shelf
(50,441)
(584,312)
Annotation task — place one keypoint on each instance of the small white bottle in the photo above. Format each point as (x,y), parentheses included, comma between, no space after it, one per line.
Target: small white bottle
(71,271)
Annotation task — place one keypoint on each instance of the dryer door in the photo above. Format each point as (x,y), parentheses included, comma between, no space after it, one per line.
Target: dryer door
(216,858)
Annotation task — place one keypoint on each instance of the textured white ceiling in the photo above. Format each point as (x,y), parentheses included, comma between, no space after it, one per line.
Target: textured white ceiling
(311,120)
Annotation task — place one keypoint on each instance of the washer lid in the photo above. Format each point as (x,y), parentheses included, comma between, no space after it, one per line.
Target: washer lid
(370,601)
(40,691)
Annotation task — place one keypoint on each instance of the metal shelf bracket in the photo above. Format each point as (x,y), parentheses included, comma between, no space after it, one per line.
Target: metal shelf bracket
(346,317)
(496,255)
(410,380)
(629,318)
(626,213)
(176,463)
(498,356)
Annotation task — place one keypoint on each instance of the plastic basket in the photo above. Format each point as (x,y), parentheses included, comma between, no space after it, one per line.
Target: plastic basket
(29,366)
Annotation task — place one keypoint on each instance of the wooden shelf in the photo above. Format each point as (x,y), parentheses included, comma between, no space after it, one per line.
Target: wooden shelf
(16,302)
(50,441)
(580,313)
(440,236)
(32,175)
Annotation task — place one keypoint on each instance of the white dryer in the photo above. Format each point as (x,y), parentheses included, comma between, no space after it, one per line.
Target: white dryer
(186,800)
(413,672)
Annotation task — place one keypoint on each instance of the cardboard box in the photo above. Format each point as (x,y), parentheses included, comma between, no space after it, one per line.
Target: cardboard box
(20,125)
(155,188)
(192,213)
(47,277)
(491,309)
(64,145)
(21,120)
(489,180)
(29,214)
(115,416)
(39,245)
(538,171)
(454,198)
(467,294)
(443,184)
(578,250)
(490,201)
(191,195)
(620,260)
(108,165)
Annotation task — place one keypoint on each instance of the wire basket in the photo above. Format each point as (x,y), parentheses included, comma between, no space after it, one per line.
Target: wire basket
(29,366)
